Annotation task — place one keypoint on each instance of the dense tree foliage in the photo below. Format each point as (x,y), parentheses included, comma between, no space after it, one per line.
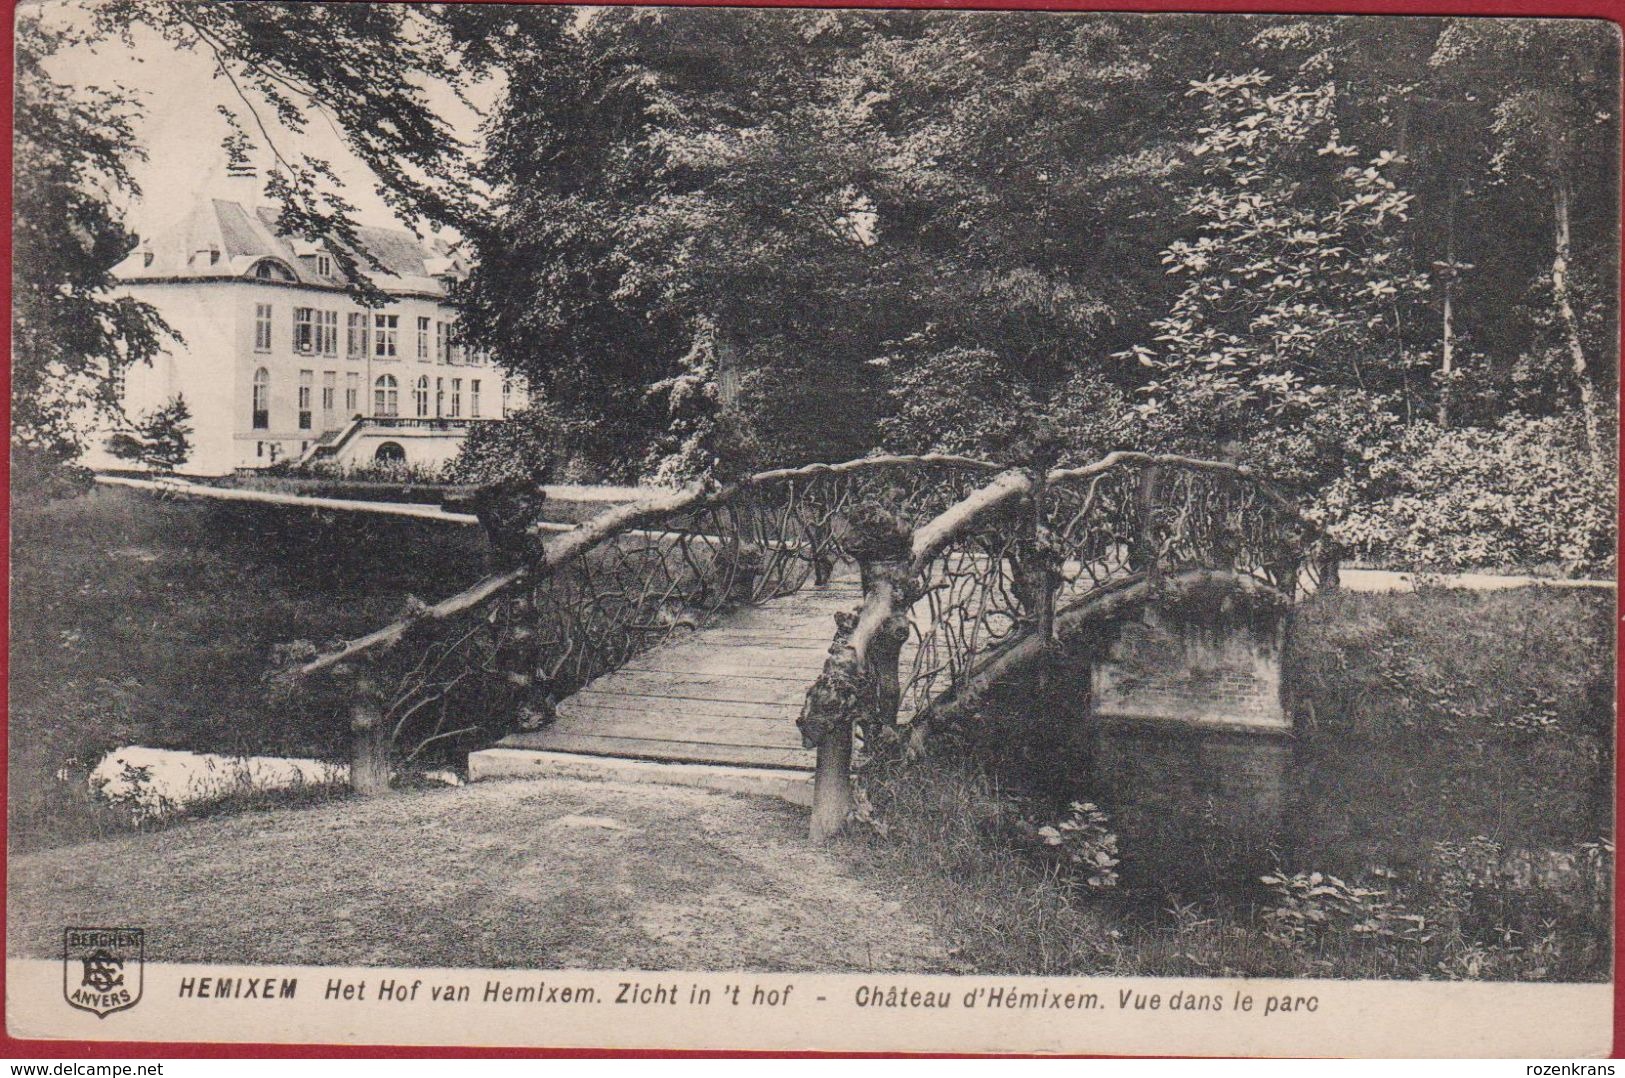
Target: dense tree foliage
(706,235)
(1286,331)
(71,337)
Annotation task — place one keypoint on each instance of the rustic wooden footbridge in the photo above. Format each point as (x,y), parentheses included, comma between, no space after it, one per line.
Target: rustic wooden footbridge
(750,622)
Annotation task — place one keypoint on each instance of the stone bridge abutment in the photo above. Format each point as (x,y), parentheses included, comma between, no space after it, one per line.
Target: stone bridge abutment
(1187,719)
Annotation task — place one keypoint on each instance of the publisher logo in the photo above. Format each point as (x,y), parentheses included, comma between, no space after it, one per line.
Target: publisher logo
(102,967)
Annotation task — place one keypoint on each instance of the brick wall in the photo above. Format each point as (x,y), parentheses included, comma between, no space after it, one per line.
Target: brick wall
(1187,742)
(1218,671)
(1180,795)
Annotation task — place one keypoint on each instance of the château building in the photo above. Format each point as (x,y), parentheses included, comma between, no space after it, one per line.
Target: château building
(277,361)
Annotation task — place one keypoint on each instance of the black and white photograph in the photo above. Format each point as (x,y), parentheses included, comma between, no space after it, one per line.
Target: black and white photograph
(843,529)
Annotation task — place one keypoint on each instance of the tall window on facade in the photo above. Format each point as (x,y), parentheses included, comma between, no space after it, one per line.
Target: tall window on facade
(352,393)
(474,398)
(386,396)
(439,397)
(507,397)
(330,389)
(262,399)
(384,330)
(306,380)
(420,396)
(327,332)
(355,338)
(440,341)
(456,397)
(304,330)
(262,327)
(423,339)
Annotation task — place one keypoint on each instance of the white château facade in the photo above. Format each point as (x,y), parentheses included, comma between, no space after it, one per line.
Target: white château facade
(278,361)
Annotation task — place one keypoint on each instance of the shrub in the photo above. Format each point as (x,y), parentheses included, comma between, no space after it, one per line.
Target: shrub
(1449,713)
(416,487)
(540,444)
(1466,914)
(723,443)
(1518,495)
(1082,842)
(394,472)
(1310,905)
(161,439)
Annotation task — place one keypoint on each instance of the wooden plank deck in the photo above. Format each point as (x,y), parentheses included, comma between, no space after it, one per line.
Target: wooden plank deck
(728,694)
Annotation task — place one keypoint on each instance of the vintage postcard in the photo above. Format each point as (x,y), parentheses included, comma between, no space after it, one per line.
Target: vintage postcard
(793,529)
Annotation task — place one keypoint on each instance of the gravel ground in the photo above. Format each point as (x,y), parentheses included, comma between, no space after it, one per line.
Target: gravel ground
(550,873)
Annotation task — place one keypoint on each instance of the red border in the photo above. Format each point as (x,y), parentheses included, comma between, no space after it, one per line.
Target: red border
(10,1047)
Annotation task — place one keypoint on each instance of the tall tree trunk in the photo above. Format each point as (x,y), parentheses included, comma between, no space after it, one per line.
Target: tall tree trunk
(1448,364)
(727,371)
(1448,357)
(1571,324)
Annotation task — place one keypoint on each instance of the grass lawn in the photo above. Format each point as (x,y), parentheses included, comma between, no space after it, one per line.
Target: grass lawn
(543,874)
(1439,716)
(137,620)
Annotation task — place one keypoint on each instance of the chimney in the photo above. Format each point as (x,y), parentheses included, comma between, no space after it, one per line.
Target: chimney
(243,184)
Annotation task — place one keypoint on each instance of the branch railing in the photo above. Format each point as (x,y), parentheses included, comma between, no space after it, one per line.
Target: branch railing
(560,609)
(969,573)
(1035,557)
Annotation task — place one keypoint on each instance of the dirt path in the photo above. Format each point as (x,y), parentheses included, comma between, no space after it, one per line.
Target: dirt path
(1387,580)
(550,873)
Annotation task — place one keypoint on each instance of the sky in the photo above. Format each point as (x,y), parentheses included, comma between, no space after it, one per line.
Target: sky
(181,129)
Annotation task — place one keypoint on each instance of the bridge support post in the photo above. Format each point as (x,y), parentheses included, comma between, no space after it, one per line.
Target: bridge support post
(1144,552)
(826,723)
(883,546)
(369,734)
(1041,558)
(506,510)
(832,787)
(860,683)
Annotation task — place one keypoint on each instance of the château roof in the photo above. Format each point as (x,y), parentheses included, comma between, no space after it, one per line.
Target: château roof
(223,240)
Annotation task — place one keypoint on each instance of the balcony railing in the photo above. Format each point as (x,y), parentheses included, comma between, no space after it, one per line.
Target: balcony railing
(443,423)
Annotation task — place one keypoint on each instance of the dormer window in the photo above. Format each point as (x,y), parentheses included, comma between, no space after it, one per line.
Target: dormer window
(268,270)
(146,259)
(324,265)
